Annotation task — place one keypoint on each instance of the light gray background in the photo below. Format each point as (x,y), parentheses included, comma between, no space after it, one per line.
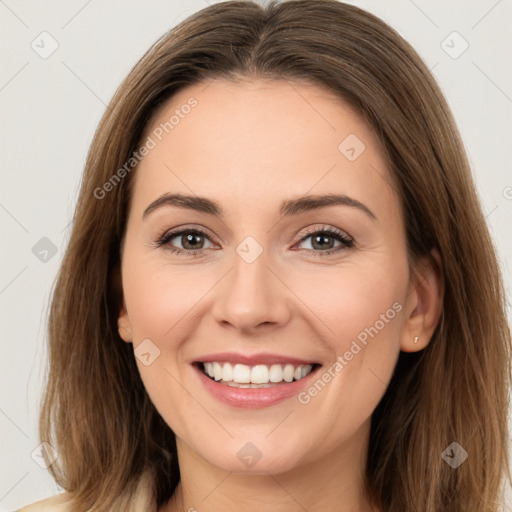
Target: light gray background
(50,108)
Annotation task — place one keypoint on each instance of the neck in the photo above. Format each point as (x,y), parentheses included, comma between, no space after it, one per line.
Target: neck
(331,483)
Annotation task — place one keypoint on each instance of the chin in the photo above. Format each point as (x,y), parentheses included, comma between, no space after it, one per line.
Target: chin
(254,458)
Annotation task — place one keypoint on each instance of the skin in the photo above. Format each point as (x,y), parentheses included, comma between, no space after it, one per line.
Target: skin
(249,146)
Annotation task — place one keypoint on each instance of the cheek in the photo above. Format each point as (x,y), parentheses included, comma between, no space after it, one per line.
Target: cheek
(161,304)
(359,313)
(158,298)
(355,311)
(355,302)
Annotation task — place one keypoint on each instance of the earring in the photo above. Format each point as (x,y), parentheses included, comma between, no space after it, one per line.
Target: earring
(416,339)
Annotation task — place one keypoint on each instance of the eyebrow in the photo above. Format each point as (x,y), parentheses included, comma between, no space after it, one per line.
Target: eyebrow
(288,207)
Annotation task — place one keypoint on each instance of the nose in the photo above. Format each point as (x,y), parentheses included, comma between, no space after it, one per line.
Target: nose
(252,297)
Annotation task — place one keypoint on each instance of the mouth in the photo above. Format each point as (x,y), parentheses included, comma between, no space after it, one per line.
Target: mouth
(255,376)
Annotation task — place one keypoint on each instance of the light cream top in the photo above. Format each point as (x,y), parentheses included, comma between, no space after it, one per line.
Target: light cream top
(143,502)
(56,503)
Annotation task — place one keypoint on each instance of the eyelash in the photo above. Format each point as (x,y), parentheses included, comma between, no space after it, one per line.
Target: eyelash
(334,233)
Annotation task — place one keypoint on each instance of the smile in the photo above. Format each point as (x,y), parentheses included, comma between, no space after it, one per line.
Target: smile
(257,376)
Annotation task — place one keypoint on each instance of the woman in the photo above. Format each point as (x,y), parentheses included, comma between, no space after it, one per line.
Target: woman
(280,292)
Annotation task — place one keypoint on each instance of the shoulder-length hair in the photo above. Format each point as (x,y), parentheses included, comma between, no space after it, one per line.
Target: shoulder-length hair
(96,412)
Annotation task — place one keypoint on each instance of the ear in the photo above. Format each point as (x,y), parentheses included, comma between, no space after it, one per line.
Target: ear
(124,325)
(424,303)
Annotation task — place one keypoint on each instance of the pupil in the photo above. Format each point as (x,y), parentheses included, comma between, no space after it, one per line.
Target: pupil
(322,240)
(190,239)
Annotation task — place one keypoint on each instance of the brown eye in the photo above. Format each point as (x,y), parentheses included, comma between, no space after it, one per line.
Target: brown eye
(191,241)
(323,241)
(184,241)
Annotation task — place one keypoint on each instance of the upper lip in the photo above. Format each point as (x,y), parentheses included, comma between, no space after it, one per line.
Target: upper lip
(252,360)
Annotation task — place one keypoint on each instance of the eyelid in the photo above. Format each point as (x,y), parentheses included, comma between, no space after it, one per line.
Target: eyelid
(346,240)
(163,240)
(179,230)
(325,228)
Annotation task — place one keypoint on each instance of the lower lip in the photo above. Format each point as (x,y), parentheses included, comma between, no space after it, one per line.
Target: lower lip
(254,398)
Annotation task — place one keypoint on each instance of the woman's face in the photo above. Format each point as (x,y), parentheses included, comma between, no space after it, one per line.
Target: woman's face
(301,262)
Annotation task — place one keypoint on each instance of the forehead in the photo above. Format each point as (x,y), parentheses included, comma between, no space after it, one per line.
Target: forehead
(302,108)
(262,138)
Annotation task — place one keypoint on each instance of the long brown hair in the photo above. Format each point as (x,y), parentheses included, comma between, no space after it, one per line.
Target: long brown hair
(96,412)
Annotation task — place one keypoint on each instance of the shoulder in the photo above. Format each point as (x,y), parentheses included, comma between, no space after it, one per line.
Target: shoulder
(57,503)
(142,500)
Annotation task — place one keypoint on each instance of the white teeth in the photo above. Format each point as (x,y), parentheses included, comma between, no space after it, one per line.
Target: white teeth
(235,385)
(288,373)
(217,371)
(241,374)
(227,372)
(276,373)
(208,369)
(259,375)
